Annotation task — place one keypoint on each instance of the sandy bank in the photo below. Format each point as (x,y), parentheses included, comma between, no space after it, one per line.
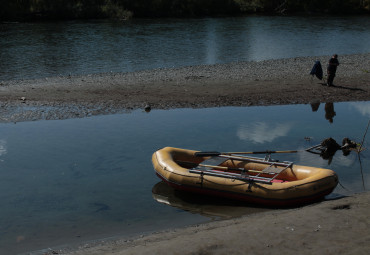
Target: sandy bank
(282,81)
(331,227)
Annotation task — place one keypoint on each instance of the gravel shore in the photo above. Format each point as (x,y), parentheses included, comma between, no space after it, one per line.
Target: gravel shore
(270,82)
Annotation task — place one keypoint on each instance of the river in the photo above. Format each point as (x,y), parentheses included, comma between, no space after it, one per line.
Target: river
(35,50)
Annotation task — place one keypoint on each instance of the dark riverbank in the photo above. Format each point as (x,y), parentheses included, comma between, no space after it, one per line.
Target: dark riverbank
(31,10)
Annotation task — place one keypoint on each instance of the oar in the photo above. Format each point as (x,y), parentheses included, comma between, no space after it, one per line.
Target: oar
(230,168)
(216,153)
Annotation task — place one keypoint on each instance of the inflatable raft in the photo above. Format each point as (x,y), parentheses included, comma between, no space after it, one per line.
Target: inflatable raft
(251,179)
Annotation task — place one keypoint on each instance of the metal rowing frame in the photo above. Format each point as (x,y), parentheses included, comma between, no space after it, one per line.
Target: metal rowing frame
(244,176)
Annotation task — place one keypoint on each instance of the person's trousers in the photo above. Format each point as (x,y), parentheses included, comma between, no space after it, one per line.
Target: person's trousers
(330,78)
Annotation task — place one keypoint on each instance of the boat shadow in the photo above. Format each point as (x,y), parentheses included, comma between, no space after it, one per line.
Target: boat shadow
(210,206)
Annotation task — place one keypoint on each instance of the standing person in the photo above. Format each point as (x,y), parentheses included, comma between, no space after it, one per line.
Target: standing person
(332,68)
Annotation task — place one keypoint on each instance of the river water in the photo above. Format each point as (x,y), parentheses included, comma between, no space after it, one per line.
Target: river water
(70,181)
(33,50)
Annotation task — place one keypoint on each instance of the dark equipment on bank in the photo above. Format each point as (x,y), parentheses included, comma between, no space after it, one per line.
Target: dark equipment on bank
(328,147)
(317,70)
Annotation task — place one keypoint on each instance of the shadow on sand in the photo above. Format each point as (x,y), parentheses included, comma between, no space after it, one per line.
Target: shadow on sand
(343,87)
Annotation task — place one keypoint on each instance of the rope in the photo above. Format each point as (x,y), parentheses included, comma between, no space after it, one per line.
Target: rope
(363,139)
(343,186)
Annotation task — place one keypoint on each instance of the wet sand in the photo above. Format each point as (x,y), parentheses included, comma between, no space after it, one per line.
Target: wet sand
(331,227)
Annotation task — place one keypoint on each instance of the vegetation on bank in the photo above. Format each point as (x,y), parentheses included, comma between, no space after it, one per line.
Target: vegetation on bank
(125,9)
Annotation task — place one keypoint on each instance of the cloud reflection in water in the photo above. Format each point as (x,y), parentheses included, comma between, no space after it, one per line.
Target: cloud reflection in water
(261,132)
(2,147)
(362,107)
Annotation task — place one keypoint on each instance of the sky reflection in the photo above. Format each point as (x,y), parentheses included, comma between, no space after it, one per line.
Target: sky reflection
(362,107)
(3,149)
(261,132)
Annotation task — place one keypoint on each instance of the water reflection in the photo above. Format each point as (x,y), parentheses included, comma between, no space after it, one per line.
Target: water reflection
(3,149)
(329,110)
(362,107)
(315,106)
(262,132)
(362,172)
(213,207)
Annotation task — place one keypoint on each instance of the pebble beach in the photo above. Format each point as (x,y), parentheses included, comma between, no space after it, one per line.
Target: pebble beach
(271,82)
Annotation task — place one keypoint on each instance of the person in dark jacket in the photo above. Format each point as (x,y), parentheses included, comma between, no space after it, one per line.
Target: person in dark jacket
(332,69)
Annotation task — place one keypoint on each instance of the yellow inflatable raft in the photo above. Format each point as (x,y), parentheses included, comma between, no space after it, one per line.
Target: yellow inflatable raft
(251,179)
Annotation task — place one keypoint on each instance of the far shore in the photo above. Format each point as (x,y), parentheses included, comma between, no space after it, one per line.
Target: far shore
(270,82)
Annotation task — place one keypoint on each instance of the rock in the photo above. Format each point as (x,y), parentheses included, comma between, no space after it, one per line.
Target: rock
(147,108)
